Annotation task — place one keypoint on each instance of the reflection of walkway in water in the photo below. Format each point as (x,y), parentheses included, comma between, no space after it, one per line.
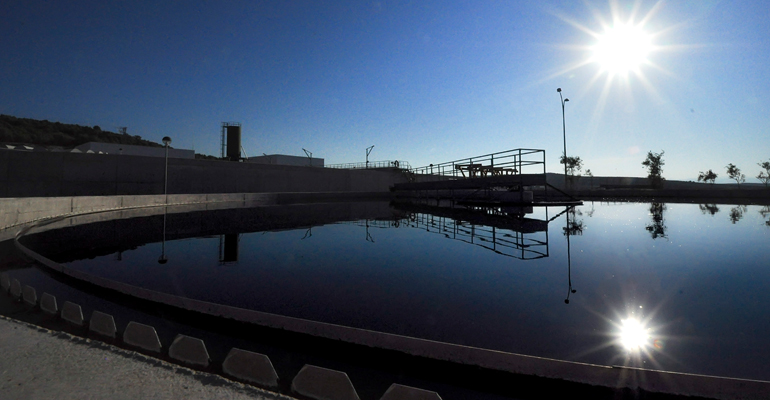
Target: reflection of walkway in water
(504,231)
(502,241)
(505,242)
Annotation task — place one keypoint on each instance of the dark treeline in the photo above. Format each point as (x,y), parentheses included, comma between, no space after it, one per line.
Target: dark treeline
(46,133)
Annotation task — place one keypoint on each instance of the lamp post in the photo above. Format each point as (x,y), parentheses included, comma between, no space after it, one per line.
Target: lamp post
(166,142)
(368,150)
(564,130)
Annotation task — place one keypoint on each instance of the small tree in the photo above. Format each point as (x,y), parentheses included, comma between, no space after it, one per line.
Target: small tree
(734,173)
(590,175)
(764,176)
(707,177)
(574,164)
(654,164)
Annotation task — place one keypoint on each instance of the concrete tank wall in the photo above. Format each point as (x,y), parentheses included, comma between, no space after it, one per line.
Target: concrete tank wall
(44,174)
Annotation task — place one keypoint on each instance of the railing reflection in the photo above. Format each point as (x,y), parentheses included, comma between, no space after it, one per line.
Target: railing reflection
(501,230)
(505,242)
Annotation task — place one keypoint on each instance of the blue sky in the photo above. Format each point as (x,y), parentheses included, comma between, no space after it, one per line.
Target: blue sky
(422,81)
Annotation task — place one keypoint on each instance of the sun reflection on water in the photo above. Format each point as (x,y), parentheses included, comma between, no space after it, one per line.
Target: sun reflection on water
(633,334)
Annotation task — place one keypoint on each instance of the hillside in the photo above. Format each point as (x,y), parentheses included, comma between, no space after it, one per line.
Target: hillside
(46,133)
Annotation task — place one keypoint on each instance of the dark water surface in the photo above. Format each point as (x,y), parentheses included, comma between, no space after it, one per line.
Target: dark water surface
(696,277)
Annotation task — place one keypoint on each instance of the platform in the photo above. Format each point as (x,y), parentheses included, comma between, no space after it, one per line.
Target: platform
(444,183)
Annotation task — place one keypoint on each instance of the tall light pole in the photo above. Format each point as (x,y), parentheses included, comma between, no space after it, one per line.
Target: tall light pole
(564,130)
(368,150)
(166,142)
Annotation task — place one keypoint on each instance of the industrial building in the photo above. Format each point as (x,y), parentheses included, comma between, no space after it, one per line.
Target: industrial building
(133,150)
(282,159)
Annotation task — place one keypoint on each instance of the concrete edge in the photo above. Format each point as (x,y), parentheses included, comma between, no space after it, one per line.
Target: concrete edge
(206,377)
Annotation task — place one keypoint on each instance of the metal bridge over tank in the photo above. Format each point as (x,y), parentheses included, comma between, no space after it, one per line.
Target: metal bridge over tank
(507,177)
(512,170)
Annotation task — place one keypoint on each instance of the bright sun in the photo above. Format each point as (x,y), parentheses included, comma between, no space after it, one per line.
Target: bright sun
(622,48)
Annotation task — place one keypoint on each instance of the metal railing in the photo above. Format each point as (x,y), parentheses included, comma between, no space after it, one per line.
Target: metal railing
(372,164)
(501,241)
(509,162)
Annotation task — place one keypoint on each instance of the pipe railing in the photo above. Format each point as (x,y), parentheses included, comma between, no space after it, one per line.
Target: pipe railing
(372,164)
(509,162)
(501,241)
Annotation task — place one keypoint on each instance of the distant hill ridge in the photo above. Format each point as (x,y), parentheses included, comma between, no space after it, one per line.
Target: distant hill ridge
(46,133)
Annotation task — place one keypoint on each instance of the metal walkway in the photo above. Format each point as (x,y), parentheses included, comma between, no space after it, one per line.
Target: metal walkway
(510,168)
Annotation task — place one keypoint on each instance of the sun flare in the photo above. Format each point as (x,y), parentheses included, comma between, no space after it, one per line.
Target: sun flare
(622,48)
(633,335)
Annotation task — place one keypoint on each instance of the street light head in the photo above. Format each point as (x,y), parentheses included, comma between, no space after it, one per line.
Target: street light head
(166,140)
(566,100)
(558,90)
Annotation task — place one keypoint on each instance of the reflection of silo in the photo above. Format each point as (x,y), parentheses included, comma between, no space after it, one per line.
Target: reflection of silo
(233,143)
(230,250)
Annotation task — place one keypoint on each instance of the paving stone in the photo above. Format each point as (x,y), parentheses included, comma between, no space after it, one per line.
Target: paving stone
(48,303)
(5,281)
(102,324)
(323,384)
(190,350)
(72,313)
(142,336)
(401,392)
(251,367)
(29,295)
(15,288)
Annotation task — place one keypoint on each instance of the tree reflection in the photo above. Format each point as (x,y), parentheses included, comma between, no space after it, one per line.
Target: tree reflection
(574,226)
(708,208)
(736,213)
(591,212)
(657,229)
(764,212)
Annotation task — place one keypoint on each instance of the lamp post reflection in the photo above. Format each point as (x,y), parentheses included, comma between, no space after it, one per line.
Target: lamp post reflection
(574,227)
(369,237)
(166,142)
(162,259)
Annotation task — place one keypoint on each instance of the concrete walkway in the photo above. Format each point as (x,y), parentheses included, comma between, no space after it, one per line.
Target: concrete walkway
(36,363)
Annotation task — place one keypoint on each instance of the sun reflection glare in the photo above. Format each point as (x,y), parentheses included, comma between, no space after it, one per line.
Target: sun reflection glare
(633,334)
